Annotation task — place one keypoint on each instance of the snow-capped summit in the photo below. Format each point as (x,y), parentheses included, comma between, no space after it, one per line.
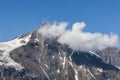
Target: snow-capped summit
(34,57)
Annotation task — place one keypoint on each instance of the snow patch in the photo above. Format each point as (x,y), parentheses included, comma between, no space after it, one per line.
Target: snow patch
(43,70)
(76,72)
(80,67)
(117,67)
(64,61)
(91,74)
(71,63)
(36,39)
(70,56)
(53,57)
(61,58)
(46,66)
(59,53)
(94,53)
(100,70)
(58,71)
(7,47)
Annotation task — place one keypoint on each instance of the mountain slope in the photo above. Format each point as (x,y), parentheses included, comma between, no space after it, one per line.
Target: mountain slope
(7,47)
(42,58)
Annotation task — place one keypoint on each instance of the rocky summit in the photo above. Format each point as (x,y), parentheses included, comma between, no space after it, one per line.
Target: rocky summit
(34,57)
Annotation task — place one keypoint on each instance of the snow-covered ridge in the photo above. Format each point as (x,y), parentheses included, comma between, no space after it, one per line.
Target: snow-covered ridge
(7,47)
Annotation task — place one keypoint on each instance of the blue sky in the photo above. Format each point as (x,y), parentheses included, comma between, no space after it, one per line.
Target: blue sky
(21,16)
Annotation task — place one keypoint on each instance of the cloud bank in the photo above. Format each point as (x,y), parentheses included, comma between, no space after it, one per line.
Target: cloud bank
(76,38)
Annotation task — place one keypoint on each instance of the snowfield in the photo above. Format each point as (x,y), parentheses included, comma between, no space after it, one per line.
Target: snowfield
(7,47)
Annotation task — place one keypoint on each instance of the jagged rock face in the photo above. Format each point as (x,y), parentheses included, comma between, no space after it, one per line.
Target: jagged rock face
(110,56)
(46,59)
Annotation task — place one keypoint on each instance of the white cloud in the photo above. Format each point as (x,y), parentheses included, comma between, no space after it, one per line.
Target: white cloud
(78,26)
(77,39)
(52,30)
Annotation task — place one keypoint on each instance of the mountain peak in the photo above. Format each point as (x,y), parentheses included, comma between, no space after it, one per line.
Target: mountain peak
(40,56)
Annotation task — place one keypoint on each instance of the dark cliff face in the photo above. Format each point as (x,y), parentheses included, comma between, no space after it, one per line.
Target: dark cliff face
(46,59)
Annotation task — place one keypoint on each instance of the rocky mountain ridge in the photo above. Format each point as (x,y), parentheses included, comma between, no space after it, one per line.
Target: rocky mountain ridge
(42,58)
